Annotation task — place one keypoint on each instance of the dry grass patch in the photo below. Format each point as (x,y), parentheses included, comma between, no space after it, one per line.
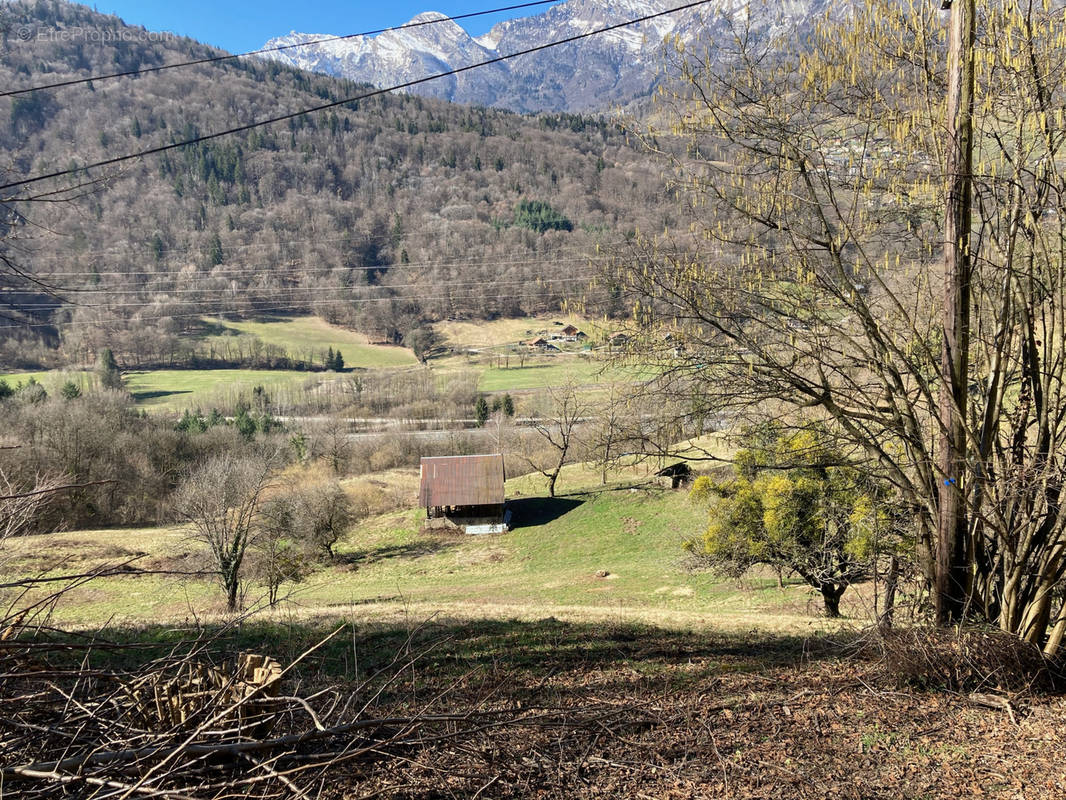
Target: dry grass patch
(481,334)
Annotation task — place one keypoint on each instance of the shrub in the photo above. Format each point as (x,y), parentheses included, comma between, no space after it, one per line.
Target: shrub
(973,659)
(312,518)
(323,515)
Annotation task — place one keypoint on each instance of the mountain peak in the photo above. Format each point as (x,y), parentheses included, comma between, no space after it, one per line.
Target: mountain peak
(431,26)
(429,16)
(591,74)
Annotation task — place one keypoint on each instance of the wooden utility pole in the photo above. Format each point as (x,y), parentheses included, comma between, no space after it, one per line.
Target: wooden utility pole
(953,549)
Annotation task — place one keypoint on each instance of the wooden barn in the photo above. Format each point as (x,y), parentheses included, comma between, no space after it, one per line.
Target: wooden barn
(464,492)
(679,474)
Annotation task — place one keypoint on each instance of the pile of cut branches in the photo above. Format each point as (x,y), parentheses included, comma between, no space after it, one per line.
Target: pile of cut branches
(185,725)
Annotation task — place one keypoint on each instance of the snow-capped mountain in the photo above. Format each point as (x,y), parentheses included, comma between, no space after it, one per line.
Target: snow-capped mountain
(592,73)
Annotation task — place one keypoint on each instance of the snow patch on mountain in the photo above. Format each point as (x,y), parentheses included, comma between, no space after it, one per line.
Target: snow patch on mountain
(593,73)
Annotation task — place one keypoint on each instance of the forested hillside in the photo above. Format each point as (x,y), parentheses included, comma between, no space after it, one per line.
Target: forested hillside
(380,214)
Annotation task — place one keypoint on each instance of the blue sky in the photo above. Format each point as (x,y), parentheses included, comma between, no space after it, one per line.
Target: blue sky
(241,25)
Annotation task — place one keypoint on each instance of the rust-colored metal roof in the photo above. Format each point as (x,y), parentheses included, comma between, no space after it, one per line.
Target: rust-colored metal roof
(462,481)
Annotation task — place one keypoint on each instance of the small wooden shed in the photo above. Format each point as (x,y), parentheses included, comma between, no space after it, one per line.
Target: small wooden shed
(679,474)
(464,491)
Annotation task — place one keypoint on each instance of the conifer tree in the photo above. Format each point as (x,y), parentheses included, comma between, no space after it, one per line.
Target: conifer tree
(107,370)
(481,411)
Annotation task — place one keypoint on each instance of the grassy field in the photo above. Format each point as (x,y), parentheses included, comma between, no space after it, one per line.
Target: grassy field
(299,335)
(595,554)
(176,389)
(172,390)
(572,657)
(51,380)
(502,332)
(549,372)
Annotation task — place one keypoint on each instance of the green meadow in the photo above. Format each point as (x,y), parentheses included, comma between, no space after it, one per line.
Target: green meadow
(299,336)
(176,389)
(309,338)
(594,554)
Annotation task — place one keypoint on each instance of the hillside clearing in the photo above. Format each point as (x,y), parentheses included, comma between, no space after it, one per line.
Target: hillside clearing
(172,390)
(594,554)
(499,333)
(309,338)
(548,373)
(303,336)
(175,389)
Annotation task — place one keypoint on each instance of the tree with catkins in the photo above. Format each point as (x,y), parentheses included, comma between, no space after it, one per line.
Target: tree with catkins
(816,280)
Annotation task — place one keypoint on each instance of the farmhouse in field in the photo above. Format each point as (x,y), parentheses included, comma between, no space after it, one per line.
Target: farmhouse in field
(570,333)
(464,492)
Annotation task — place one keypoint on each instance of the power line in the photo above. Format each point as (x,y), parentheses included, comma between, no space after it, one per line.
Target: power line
(130,250)
(265,309)
(287,270)
(163,295)
(356,98)
(176,277)
(279,48)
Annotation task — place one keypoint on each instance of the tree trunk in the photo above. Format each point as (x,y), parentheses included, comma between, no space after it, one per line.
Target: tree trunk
(232,587)
(952,558)
(1054,641)
(891,581)
(831,596)
(551,483)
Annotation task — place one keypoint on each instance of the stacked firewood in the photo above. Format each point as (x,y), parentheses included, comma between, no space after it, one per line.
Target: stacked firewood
(162,702)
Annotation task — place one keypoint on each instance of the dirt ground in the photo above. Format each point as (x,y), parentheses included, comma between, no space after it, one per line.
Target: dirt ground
(549,709)
(666,717)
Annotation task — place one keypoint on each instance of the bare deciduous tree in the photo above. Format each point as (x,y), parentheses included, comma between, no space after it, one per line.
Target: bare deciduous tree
(331,442)
(280,558)
(19,506)
(221,500)
(501,428)
(324,514)
(811,286)
(557,428)
(617,431)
